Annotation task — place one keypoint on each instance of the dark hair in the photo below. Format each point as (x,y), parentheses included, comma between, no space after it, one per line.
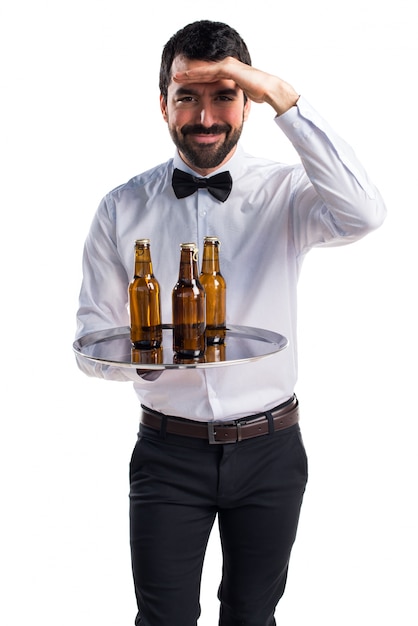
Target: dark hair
(205,41)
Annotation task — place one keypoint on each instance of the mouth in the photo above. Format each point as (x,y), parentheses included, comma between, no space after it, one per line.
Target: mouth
(205,139)
(205,136)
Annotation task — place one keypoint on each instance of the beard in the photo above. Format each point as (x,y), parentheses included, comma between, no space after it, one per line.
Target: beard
(205,156)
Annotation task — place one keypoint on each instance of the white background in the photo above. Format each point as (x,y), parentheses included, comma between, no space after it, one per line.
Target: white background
(80,115)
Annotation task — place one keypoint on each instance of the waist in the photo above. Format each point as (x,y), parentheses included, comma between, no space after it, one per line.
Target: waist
(283,416)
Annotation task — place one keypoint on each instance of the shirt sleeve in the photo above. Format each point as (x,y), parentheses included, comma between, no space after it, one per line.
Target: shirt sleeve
(338,204)
(103,297)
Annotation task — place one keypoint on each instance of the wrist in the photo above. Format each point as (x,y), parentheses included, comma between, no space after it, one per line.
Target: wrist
(282,97)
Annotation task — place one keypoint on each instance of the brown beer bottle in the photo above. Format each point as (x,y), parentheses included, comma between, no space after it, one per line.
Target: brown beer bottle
(215,288)
(144,300)
(189,308)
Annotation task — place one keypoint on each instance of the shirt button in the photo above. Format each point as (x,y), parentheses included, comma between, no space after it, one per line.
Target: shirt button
(202,213)
(296,124)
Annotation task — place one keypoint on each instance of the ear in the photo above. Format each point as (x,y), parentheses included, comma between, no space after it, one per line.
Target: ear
(163,106)
(247,109)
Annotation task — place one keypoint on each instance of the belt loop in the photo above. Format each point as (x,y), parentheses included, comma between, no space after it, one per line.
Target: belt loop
(163,428)
(239,431)
(270,421)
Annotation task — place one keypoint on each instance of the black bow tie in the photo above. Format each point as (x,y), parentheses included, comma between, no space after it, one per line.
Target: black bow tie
(185,184)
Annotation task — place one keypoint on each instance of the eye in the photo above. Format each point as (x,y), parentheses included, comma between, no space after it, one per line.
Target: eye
(186,99)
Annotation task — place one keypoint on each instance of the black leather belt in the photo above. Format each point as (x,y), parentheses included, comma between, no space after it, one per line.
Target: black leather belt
(281,417)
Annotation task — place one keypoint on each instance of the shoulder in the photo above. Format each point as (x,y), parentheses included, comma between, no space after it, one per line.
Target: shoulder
(149,181)
(138,192)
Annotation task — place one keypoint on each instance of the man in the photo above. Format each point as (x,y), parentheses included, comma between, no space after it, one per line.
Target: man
(254,480)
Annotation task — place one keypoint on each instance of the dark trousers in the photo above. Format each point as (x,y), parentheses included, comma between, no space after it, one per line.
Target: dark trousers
(178,487)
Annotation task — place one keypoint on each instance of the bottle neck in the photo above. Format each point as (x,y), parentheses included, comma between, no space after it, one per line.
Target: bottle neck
(143,265)
(188,265)
(210,261)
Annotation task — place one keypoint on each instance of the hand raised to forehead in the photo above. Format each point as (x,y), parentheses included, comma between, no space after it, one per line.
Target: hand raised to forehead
(259,86)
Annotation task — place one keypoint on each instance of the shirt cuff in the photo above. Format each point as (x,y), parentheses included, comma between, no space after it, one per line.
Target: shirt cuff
(294,121)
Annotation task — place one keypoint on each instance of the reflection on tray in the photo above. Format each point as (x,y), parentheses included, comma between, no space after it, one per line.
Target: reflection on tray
(215,353)
(147,357)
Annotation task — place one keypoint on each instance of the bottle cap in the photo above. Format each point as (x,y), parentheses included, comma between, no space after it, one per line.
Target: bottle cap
(188,246)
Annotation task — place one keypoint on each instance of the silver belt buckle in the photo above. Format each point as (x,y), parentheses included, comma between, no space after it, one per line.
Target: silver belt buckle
(212,433)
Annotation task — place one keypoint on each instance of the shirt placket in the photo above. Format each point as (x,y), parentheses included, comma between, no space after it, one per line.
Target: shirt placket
(203,202)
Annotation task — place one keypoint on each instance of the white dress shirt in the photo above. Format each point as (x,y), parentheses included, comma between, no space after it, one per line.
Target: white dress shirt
(274,215)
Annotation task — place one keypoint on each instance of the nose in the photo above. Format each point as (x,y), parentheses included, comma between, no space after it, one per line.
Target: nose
(207,117)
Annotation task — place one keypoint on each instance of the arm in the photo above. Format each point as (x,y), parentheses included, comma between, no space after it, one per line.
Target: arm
(340,203)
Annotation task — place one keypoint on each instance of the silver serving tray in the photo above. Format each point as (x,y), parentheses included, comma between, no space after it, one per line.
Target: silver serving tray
(242,344)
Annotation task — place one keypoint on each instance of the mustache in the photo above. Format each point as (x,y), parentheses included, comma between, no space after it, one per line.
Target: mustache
(198,129)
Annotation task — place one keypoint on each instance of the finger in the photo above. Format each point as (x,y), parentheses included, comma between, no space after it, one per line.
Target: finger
(198,75)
